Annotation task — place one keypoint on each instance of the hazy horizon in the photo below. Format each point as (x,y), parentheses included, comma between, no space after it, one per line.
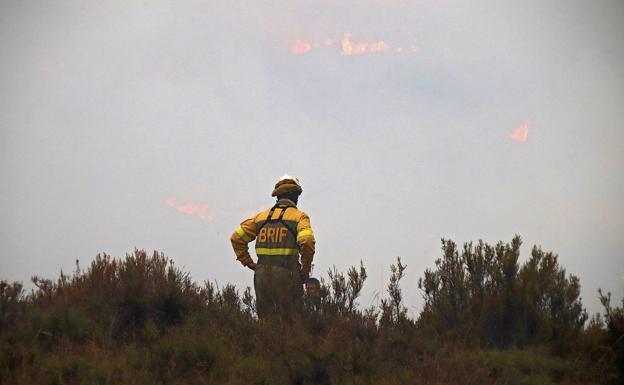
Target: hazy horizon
(162,125)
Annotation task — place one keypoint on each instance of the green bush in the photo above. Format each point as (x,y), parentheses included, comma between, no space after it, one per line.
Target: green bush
(140,320)
(483,295)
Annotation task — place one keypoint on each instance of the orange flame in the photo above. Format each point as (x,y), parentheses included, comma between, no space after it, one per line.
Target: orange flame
(188,208)
(300,46)
(380,46)
(350,47)
(521,133)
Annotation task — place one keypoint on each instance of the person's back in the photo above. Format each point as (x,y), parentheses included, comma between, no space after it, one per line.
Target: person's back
(282,233)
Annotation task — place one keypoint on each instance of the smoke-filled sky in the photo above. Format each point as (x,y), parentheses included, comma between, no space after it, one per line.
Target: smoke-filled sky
(163,124)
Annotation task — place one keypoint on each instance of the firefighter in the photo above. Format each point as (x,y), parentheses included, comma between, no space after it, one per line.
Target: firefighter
(284,247)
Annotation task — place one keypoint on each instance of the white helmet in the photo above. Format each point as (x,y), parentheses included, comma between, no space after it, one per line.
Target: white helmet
(289,177)
(287,184)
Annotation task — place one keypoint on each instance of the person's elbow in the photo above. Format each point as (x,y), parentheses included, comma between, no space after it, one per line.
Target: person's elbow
(237,242)
(308,246)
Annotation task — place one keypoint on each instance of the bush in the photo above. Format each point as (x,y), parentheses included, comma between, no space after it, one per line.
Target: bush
(615,334)
(482,295)
(141,320)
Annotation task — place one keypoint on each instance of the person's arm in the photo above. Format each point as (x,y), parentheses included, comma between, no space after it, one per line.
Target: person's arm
(244,234)
(306,243)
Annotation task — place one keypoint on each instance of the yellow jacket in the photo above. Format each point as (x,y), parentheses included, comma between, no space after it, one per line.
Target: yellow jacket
(286,234)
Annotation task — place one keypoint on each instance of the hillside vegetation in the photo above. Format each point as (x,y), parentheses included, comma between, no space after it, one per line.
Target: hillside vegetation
(487,319)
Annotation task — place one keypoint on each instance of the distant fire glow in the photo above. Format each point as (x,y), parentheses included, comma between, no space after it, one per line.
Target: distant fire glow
(189,208)
(521,133)
(347,46)
(300,46)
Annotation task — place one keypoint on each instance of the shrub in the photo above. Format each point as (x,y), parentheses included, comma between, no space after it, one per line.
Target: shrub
(141,320)
(482,295)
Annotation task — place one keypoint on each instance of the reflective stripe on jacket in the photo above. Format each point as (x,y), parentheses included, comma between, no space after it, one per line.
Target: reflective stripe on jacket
(286,234)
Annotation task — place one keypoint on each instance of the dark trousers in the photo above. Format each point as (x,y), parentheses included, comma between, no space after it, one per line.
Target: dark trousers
(279,290)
